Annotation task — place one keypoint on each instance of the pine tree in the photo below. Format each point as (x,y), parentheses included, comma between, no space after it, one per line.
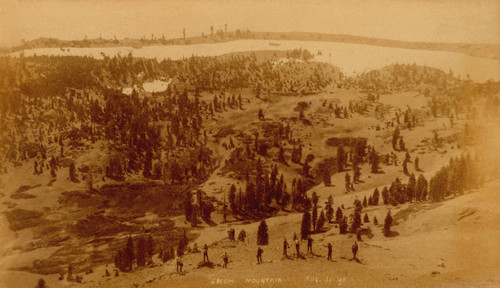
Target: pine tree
(262,236)
(72,173)
(438,187)
(148,164)
(183,242)
(421,189)
(340,159)
(356,171)
(314,198)
(366,219)
(385,195)
(365,204)
(329,209)
(374,161)
(321,221)
(53,168)
(376,197)
(314,217)
(408,157)
(356,217)
(208,208)
(41,283)
(281,155)
(306,225)
(232,200)
(129,254)
(242,235)
(261,114)
(199,200)
(239,207)
(285,199)
(280,188)
(405,168)
(250,199)
(410,188)
(416,164)
(343,226)
(339,215)
(141,252)
(150,246)
(395,137)
(375,220)
(347,182)
(188,207)
(402,146)
(387,224)
(327,178)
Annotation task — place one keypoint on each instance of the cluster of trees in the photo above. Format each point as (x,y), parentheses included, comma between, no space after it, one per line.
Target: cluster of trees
(360,106)
(403,76)
(399,193)
(267,191)
(312,223)
(142,255)
(373,200)
(339,111)
(460,175)
(34,85)
(398,143)
(203,207)
(301,54)
(132,126)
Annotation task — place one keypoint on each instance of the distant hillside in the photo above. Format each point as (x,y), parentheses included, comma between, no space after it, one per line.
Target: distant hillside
(491,51)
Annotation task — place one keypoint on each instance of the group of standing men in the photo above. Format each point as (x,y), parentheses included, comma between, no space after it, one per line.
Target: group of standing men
(310,241)
(309,248)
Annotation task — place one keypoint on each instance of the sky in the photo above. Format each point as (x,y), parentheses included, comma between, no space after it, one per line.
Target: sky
(474,21)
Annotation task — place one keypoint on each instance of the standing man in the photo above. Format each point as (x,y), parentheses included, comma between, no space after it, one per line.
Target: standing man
(259,255)
(285,247)
(309,244)
(354,250)
(329,246)
(225,258)
(179,264)
(205,253)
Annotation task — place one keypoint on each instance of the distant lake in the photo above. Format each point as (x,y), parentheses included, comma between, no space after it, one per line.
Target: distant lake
(351,58)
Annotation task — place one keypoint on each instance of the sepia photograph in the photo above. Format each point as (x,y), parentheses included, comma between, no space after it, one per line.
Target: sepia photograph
(249,143)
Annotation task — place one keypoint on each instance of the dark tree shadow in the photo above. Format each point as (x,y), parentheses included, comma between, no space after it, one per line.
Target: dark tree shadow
(300,256)
(391,234)
(207,264)
(356,260)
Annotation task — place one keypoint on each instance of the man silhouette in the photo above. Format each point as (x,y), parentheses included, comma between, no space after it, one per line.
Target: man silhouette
(309,244)
(259,255)
(297,247)
(354,250)
(329,246)
(205,253)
